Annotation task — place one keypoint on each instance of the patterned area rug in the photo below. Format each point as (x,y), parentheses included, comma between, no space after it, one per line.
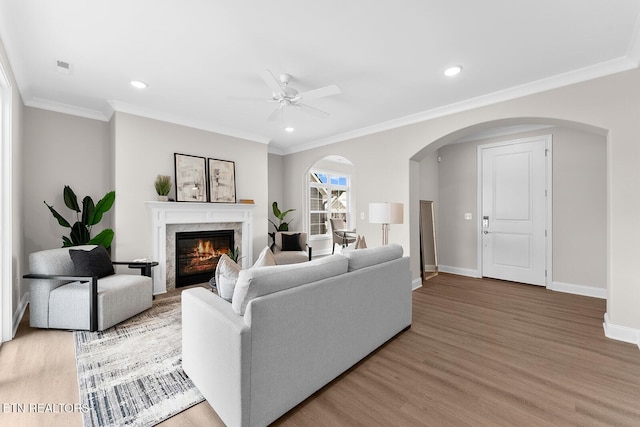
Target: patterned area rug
(131,374)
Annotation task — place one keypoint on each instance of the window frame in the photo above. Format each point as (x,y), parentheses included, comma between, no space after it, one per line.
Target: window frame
(329,187)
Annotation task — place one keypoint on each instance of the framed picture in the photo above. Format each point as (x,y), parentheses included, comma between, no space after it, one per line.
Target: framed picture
(191,178)
(222,181)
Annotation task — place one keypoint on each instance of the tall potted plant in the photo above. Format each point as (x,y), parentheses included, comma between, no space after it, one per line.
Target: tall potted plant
(86,218)
(283,225)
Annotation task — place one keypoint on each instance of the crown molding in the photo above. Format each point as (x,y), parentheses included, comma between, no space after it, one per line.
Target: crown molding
(631,61)
(634,46)
(136,110)
(59,107)
(572,77)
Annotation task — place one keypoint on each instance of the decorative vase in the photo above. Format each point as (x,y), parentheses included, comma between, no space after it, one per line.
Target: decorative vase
(163,198)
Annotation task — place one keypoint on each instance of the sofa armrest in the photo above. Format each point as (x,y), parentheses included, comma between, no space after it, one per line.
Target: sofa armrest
(93,292)
(216,353)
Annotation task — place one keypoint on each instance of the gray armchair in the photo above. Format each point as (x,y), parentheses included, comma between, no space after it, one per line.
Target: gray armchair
(291,247)
(62,299)
(341,236)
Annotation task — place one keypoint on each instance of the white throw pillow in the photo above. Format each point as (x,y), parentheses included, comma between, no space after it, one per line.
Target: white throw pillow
(265,259)
(227,272)
(226,277)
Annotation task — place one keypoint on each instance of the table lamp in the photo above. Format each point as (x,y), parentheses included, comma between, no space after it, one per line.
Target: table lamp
(385,214)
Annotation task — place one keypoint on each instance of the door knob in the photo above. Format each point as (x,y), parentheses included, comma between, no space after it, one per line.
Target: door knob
(485,232)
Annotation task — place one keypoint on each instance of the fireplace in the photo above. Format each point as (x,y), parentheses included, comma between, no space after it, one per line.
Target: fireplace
(197,254)
(167,219)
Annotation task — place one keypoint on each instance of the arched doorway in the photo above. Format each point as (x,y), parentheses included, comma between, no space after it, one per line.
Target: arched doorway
(448,175)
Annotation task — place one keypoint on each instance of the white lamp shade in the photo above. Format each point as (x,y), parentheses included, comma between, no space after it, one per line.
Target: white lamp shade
(386,213)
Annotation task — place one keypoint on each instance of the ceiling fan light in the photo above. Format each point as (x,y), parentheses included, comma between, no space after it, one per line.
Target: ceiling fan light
(453,71)
(138,84)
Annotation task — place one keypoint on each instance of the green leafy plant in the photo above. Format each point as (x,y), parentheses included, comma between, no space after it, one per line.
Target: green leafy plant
(234,254)
(284,225)
(90,215)
(163,185)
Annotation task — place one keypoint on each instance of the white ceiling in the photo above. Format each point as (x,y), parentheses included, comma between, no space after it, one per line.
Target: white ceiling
(387,57)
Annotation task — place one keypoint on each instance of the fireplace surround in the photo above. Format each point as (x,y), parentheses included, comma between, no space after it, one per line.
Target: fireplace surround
(168,218)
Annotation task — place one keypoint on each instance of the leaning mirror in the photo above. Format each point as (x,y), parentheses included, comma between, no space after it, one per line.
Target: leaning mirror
(428,251)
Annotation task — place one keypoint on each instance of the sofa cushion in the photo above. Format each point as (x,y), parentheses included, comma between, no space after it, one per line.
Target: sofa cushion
(226,276)
(291,257)
(278,239)
(256,282)
(291,242)
(94,262)
(227,272)
(265,259)
(371,256)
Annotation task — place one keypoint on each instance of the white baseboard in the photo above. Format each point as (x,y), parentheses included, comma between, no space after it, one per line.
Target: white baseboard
(587,291)
(19,313)
(416,283)
(459,271)
(621,333)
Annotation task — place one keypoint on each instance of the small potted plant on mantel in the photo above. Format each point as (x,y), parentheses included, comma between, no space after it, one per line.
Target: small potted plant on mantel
(163,186)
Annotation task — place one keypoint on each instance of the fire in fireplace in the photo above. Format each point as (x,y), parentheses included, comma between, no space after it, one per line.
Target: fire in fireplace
(197,254)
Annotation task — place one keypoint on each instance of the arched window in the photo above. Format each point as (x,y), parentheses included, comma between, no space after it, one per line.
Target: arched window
(329,197)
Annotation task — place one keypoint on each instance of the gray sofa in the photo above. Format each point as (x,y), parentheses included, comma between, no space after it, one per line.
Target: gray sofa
(291,329)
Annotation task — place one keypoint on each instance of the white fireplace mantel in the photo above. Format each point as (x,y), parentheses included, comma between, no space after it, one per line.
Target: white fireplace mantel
(165,213)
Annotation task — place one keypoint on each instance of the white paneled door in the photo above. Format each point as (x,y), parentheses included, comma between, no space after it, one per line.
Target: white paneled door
(514,211)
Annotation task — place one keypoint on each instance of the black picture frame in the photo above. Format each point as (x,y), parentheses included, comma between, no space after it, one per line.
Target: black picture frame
(191,178)
(222,181)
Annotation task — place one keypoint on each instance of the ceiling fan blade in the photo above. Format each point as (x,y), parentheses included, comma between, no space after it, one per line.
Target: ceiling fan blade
(245,99)
(312,110)
(274,115)
(271,81)
(319,93)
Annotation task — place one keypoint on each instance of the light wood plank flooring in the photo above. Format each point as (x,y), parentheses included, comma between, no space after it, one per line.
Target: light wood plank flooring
(480,352)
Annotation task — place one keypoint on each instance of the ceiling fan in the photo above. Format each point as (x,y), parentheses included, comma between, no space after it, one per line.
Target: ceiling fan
(286,96)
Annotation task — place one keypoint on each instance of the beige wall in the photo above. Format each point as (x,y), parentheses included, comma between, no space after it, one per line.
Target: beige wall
(144,148)
(61,149)
(579,205)
(276,186)
(610,103)
(380,175)
(457,237)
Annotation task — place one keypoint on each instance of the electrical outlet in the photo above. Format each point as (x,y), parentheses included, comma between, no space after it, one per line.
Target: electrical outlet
(468,216)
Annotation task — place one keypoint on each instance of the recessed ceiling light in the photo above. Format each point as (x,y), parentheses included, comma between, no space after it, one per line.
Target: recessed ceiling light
(289,129)
(139,84)
(452,71)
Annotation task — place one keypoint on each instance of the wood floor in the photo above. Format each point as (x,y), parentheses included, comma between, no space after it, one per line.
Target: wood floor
(480,352)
